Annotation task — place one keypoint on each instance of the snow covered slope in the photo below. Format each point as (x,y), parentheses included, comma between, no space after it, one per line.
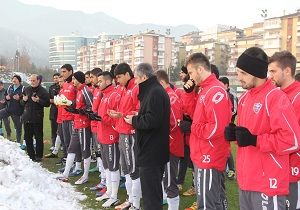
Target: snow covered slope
(26,185)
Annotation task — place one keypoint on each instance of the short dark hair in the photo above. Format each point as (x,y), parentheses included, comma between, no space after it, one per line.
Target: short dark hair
(107,75)
(96,71)
(69,67)
(144,69)
(162,75)
(56,74)
(198,59)
(284,59)
(297,77)
(214,69)
(184,69)
(87,73)
(224,80)
(112,69)
(122,68)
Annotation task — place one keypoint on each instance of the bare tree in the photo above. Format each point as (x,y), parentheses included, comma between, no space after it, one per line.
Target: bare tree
(25,61)
(3,62)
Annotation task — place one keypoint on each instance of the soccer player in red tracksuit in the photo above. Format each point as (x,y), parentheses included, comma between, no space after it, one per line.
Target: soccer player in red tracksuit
(185,125)
(108,138)
(59,138)
(267,132)
(69,91)
(209,149)
(176,143)
(81,135)
(97,95)
(282,67)
(127,142)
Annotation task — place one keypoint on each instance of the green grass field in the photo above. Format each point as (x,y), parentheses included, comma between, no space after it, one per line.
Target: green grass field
(91,203)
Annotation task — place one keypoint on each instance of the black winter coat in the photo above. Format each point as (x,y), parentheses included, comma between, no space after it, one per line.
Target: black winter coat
(14,107)
(152,124)
(34,111)
(53,91)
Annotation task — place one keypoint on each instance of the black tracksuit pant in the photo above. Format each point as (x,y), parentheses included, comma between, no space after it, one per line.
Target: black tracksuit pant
(151,178)
(36,130)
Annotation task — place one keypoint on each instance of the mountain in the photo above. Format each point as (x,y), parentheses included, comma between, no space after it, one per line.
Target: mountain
(33,25)
(10,41)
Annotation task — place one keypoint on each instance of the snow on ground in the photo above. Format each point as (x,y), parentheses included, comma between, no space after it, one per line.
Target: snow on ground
(27,185)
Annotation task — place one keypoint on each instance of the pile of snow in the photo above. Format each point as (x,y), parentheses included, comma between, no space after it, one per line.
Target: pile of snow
(26,185)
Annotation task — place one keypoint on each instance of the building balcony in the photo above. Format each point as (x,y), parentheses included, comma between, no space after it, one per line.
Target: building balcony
(161,41)
(127,50)
(137,55)
(139,48)
(266,47)
(273,26)
(277,36)
(137,62)
(127,57)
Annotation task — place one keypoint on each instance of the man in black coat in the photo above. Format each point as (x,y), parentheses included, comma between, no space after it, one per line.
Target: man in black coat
(14,109)
(34,100)
(53,91)
(152,125)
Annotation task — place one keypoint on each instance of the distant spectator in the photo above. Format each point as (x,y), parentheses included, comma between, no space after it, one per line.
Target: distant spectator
(183,75)
(53,91)
(2,106)
(214,69)
(14,109)
(88,79)
(234,101)
(112,69)
(232,95)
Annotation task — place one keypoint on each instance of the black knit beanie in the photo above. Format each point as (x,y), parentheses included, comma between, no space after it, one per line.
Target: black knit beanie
(256,66)
(18,77)
(79,75)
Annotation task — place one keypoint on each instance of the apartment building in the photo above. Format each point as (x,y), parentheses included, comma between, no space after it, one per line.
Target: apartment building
(217,53)
(290,35)
(63,49)
(87,57)
(159,50)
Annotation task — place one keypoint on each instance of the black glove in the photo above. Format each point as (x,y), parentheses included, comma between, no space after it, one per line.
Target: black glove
(229,132)
(72,110)
(190,89)
(88,111)
(187,118)
(244,137)
(185,126)
(94,116)
(81,111)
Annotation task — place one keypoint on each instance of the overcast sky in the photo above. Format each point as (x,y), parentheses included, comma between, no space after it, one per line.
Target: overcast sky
(199,13)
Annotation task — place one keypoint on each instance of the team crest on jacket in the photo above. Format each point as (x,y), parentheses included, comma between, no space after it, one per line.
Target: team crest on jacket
(257,107)
(217,97)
